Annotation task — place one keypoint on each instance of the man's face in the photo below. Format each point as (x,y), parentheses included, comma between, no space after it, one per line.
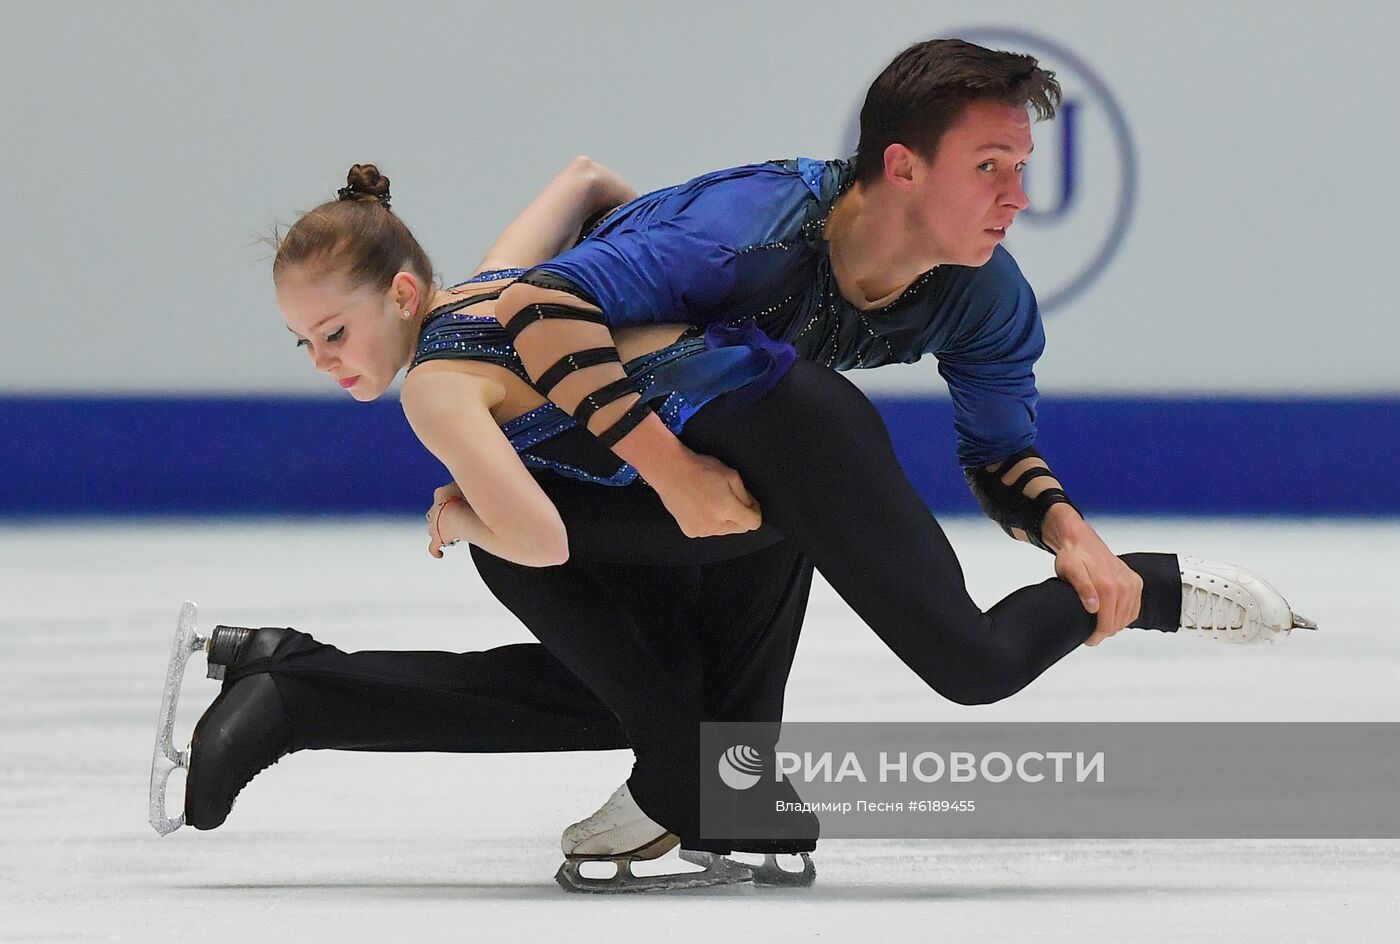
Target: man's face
(965,199)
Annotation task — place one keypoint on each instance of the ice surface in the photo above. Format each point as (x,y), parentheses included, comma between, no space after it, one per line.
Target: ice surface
(318,848)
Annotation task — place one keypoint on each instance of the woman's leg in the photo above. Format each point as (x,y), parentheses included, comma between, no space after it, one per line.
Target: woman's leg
(508,699)
(816,455)
(283,691)
(667,649)
(512,698)
(289,692)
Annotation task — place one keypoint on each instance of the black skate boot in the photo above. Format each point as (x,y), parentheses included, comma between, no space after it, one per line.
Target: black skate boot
(246,729)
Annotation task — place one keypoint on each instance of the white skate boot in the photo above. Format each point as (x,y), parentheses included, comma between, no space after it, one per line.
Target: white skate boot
(621,833)
(1229,604)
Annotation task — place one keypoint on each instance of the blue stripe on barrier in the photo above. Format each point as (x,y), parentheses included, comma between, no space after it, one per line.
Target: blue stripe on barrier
(1186,456)
(157,455)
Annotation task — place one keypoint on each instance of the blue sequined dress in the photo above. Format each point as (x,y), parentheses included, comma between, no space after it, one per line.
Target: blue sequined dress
(677,380)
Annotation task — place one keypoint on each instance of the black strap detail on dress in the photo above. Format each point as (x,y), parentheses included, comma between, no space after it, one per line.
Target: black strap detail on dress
(625,424)
(477,299)
(1008,462)
(532,313)
(1030,475)
(459,304)
(1053,496)
(543,278)
(578,360)
(601,397)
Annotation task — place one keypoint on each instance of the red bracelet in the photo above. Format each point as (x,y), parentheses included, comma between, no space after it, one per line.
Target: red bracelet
(440,506)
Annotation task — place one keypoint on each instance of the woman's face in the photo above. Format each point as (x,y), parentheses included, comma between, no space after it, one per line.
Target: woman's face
(358,336)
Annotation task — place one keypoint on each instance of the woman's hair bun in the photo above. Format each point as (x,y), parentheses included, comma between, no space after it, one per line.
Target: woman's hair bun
(364,181)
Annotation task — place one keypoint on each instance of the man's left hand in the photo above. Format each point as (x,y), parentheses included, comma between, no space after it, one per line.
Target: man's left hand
(1107,587)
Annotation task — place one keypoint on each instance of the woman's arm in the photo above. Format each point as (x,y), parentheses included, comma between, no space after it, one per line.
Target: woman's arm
(506,512)
(551,222)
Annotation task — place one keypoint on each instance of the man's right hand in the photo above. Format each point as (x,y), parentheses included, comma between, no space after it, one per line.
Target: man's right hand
(707,498)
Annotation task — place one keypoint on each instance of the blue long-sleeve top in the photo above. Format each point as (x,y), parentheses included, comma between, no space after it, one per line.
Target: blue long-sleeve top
(747,243)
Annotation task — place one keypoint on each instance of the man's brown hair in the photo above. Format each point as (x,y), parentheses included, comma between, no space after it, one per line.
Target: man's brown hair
(924,91)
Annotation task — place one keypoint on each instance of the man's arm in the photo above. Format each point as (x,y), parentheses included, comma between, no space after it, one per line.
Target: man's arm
(1022,495)
(989,366)
(1108,587)
(1018,494)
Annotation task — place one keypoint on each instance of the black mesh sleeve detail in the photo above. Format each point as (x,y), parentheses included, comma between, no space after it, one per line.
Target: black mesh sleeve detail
(532,313)
(595,221)
(601,397)
(578,360)
(625,424)
(478,299)
(543,278)
(1010,461)
(1008,505)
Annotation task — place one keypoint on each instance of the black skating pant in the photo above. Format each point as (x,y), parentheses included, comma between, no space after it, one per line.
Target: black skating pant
(665,645)
(817,457)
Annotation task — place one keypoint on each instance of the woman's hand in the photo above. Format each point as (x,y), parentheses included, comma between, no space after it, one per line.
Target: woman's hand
(441,530)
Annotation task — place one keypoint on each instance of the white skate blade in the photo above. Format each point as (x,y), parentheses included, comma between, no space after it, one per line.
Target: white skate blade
(717,871)
(1302,622)
(165,760)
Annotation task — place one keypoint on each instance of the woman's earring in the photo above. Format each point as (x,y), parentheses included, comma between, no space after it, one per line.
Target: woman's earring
(407,314)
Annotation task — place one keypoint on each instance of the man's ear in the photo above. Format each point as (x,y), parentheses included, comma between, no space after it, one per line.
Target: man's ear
(900,166)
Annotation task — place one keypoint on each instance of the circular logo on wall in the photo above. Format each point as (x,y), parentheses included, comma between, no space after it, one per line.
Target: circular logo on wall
(740,766)
(1081,180)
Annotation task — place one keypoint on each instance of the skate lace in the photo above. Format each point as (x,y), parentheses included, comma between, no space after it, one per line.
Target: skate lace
(1202,608)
